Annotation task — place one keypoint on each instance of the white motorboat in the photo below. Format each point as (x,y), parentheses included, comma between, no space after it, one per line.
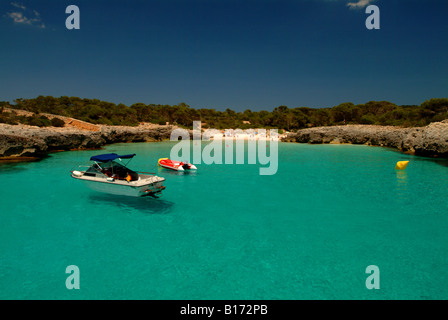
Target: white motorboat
(109,176)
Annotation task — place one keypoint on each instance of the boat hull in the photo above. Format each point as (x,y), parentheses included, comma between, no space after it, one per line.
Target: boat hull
(117,187)
(179,168)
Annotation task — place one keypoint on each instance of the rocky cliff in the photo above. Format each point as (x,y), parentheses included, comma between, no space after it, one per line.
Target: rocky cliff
(431,140)
(22,142)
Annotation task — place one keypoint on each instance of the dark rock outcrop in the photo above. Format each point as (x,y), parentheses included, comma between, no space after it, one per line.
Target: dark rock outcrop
(19,146)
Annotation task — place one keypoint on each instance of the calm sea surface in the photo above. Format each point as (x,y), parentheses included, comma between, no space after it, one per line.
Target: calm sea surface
(225,232)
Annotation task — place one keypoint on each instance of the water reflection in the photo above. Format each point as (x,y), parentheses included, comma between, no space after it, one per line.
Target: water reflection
(163,172)
(443,161)
(402,182)
(11,166)
(439,161)
(141,204)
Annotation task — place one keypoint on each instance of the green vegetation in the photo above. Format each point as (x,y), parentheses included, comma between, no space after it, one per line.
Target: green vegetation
(55,122)
(282,117)
(35,120)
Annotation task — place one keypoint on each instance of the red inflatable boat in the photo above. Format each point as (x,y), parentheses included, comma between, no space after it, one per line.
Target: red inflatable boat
(176,165)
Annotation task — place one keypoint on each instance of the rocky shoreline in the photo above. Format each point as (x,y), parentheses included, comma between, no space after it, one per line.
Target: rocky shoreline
(431,141)
(22,142)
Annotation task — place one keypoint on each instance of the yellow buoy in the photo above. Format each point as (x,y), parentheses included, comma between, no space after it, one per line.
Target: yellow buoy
(401,165)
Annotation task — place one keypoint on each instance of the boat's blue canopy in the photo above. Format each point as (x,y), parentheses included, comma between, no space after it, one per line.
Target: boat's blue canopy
(111,156)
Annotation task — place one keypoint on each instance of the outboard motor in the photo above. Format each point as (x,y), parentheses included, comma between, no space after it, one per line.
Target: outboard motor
(185,166)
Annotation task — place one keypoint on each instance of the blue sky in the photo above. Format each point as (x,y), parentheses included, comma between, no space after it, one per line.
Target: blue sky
(246,54)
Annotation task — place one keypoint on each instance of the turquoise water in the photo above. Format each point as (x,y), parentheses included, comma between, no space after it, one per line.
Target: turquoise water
(225,232)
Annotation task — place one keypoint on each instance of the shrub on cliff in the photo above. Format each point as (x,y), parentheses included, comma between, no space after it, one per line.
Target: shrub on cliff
(434,110)
(38,121)
(56,122)
(367,119)
(8,118)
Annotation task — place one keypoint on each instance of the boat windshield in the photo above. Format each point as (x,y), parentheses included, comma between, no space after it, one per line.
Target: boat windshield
(114,170)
